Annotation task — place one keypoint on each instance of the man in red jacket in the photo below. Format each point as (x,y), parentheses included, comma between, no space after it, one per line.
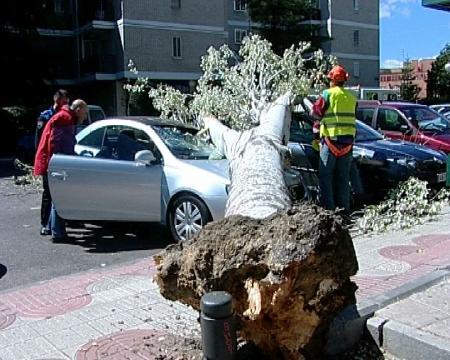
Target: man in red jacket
(58,136)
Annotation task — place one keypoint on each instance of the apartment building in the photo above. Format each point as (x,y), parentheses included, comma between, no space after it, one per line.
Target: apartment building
(392,78)
(352,27)
(166,38)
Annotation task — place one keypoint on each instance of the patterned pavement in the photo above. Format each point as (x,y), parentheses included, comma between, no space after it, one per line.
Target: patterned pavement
(118,313)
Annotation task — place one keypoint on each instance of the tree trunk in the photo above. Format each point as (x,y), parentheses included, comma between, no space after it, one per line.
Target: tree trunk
(258,189)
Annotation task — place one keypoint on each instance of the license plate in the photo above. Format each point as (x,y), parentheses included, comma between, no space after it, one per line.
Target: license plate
(441,177)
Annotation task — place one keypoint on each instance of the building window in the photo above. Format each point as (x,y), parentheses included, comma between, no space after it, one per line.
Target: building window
(240,5)
(176,47)
(356,38)
(239,35)
(60,6)
(355,4)
(356,69)
(175,4)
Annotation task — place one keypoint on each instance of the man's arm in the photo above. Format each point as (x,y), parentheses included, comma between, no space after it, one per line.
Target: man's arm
(320,106)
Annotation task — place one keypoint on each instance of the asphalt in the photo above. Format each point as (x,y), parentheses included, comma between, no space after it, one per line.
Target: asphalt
(116,312)
(27,257)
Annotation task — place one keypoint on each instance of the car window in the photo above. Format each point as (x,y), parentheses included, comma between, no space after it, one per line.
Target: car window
(123,142)
(301,129)
(184,144)
(426,119)
(366,133)
(390,120)
(94,139)
(96,115)
(365,115)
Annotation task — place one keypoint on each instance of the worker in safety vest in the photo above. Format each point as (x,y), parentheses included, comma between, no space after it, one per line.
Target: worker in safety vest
(336,108)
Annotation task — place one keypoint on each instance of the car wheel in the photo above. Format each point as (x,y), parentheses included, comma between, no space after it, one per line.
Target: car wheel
(187,215)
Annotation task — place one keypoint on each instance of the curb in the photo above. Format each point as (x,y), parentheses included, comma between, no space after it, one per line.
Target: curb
(406,342)
(349,325)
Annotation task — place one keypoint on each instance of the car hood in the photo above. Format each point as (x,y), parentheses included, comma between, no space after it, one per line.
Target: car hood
(445,138)
(216,167)
(396,149)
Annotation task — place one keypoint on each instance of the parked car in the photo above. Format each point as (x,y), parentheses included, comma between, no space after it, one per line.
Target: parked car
(25,147)
(380,163)
(407,121)
(441,108)
(141,169)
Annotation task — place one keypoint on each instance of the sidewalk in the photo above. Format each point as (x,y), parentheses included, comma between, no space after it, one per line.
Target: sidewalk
(117,313)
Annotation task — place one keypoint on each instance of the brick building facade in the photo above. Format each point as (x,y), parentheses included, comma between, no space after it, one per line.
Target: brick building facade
(392,78)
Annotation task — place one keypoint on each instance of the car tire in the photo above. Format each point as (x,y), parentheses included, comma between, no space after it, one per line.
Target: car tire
(187,215)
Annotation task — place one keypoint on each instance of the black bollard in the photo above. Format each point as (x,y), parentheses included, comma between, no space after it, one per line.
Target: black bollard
(218,326)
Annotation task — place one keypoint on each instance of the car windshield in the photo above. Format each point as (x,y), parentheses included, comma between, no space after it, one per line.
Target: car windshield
(366,133)
(427,119)
(184,144)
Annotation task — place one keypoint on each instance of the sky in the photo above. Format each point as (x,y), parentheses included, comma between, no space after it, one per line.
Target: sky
(409,30)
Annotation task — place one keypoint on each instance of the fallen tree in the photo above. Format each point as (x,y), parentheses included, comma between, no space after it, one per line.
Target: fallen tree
(287,268)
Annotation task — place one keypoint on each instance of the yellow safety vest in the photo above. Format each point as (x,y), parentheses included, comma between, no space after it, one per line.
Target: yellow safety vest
(339,119)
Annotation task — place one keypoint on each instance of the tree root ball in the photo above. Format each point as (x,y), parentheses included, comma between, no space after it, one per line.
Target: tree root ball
(289,275)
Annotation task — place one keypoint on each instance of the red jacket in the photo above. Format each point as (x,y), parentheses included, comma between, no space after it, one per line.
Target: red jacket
(58,136)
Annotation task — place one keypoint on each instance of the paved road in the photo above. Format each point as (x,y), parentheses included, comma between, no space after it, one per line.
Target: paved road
(27,257)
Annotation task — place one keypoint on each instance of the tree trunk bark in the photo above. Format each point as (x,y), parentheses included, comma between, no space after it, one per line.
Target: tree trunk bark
(258,189)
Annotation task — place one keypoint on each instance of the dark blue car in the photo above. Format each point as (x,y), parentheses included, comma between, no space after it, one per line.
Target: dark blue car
(379,164)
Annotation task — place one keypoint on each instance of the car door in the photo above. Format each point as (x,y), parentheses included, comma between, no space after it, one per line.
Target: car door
(102,185)
(392,124)
(365,114)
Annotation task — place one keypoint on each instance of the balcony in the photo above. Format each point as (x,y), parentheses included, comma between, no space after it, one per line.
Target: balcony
(437,4)
(55,21)
(91,10)
(98,64)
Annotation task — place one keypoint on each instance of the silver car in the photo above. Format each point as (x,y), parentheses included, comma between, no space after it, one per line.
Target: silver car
(141,169)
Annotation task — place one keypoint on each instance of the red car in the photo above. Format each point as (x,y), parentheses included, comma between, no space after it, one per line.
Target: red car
(408,121)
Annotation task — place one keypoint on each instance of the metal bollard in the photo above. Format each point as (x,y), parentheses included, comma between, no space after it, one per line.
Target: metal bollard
(218,326)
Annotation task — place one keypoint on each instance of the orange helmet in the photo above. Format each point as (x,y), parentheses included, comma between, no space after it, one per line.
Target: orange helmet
(338,74)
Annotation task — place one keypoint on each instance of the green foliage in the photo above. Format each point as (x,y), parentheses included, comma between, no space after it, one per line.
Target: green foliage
(237,88)
(438,83)
(406,206)
(137,101)
(408,90)
(282,22)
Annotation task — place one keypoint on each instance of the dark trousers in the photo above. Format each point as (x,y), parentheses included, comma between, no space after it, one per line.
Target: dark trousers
(46,204)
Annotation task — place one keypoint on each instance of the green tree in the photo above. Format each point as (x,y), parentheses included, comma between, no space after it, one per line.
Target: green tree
(408,90)
(438,83)
(282,22)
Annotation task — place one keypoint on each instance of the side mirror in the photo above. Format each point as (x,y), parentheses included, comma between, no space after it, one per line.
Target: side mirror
(145,157)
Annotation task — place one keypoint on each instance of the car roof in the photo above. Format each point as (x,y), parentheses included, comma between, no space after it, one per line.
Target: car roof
(94,107)
(152,120)
(394,104)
